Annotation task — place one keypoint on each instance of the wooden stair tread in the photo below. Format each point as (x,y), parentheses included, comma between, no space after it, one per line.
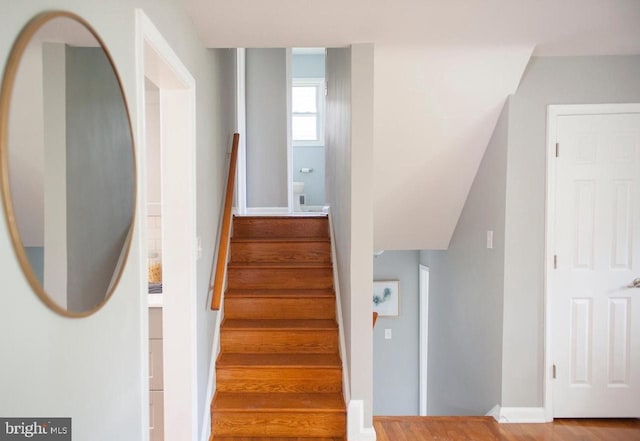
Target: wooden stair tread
(278,402)
(270,438)
(281,293)
(279,265)
(279,217)
(284,360)
(278,324)
(280,239)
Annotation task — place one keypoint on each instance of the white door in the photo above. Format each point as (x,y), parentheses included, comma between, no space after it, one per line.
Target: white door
(595,314)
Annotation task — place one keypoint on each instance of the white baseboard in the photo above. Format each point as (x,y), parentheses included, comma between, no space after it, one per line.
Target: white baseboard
(355,423)
(518,414)
(494,412)
(265,211)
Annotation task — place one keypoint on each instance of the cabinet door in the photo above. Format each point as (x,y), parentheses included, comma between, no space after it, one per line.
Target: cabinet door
(156,416)
(155,365)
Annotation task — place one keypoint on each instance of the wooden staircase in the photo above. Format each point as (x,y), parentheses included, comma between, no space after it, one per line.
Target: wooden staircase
(279,373)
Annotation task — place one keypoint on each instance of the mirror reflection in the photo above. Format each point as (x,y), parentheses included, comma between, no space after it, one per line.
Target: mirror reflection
(70,166)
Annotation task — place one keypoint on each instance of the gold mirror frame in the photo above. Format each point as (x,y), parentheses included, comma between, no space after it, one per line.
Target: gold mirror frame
(6,92)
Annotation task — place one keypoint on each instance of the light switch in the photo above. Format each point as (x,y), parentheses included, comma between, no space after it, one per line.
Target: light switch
(490,239)
(387,334)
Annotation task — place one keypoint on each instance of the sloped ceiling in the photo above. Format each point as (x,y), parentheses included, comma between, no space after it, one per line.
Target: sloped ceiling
(443,70)
(434,113)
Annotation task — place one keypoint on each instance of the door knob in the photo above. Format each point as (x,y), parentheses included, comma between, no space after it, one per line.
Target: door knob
(635,283)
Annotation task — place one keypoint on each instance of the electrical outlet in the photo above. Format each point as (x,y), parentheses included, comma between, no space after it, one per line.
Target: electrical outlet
(387,334)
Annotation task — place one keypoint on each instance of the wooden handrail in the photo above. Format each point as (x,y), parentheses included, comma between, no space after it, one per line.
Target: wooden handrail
(225,231)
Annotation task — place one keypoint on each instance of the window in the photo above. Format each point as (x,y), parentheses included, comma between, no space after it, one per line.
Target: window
(307,111)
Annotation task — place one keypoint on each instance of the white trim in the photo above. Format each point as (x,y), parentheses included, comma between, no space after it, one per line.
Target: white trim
(155,300)
(266,211)
(211,383)
(424,336)
(494,413)
(355,423)
(553,112)
(178,112)
(521,415)
(241,128)
(288,69)
(336,287)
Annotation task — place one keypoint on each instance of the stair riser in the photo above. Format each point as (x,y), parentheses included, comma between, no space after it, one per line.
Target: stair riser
(247,228)
(275,380)
(278,308)
(285,252)
(278,424)
(267,341)
(280,278)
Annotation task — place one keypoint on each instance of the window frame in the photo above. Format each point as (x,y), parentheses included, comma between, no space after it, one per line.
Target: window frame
(319,84)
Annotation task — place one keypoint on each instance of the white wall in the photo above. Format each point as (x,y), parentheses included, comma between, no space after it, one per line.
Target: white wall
(27,152)
(435,110)
(396,384)
(92,369)
(362,58)
(547,80)
(349,141)
(465,296)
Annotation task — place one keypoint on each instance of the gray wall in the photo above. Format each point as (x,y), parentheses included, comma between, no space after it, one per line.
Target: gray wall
(396,362)
(100,174)
(307,66)
(220,117)
(349,173)
(338,172)
(111,344)
(465,296)
(266,90)
(36,259)
(548,80)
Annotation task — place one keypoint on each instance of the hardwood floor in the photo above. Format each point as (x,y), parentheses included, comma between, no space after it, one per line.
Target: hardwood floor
(487,429)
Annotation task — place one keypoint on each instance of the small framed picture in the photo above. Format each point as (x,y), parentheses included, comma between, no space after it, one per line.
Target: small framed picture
(386,298)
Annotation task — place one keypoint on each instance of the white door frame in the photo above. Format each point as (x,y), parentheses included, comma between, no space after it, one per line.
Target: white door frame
(289,75)
(553,112)
(156,60)
(424,336)
(241,129)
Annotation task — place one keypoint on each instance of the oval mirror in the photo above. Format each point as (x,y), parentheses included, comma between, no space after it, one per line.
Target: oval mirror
(66,163)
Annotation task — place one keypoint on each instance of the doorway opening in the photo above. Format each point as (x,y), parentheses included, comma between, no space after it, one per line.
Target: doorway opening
(280,115)
(160,68)
(307,116)
(424,337)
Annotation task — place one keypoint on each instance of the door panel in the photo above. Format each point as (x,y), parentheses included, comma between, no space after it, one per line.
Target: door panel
(595,315)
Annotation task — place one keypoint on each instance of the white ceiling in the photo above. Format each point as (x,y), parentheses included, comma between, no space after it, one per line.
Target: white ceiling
(443,69)
(553,27)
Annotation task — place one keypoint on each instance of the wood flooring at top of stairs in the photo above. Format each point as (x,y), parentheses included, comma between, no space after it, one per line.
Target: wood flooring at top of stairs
(280,226)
